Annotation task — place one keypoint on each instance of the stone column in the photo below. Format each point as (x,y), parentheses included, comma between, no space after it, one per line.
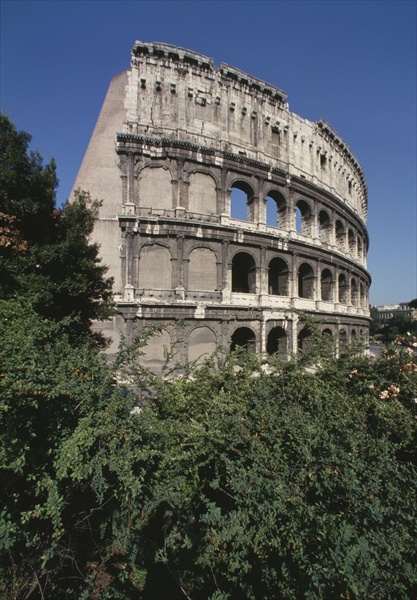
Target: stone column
(178,186)
(263,287)
(293,277)
(180,262)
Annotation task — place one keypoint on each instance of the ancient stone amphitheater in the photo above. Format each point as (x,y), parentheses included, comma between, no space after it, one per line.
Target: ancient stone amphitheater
(224,215)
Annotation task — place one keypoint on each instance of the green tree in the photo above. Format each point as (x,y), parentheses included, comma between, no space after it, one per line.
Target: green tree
(280,482)
(46,257)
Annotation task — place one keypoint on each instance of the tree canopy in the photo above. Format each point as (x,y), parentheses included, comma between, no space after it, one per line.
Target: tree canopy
(46,257)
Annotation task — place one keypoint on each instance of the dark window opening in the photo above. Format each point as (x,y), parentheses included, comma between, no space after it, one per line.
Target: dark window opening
(304,340)
(326,285)
(243,337)
(352,243)
(306,281)
(278,277)
(243,273)
(277,341)
(342,289)
(353,292)
(324,226)
(340,235)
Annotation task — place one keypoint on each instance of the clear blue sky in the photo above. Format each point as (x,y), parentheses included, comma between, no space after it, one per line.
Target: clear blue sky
(352,63)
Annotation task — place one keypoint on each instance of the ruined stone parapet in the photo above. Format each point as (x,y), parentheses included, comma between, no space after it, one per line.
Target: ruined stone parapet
(177,140)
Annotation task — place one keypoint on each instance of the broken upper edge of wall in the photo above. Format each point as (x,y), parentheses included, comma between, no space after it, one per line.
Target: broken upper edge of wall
(189,58)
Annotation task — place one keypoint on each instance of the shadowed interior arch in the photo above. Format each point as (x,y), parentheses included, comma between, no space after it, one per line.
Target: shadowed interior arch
(277,341)
(243,337)
(306,281)
(278,277)
(243,273)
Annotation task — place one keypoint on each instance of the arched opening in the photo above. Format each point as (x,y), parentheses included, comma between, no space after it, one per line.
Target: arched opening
(303,218)
(351,243)
(343,341)
(353,334)
(326,285)
(304,340)
(324,227)
(361,295)
(278,277)
(243,337)
(342,289)
(243,273)
(327,331)
(306,281)
(353,292)
(277,341)
(340,236)
(241,201)
(360,249)
(275,209)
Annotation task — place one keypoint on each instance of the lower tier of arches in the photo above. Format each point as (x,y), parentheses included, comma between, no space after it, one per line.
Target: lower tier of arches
(192,337)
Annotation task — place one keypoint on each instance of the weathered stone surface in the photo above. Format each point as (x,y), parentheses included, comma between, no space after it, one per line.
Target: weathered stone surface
(223,210)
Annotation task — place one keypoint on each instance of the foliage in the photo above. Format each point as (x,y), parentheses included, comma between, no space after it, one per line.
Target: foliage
(287,484)
(244,478)
(45,253)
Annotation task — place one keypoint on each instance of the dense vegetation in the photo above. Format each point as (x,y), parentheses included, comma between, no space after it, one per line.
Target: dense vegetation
(243,478)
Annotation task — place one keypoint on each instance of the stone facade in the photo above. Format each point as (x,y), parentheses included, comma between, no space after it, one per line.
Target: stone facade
(224,214)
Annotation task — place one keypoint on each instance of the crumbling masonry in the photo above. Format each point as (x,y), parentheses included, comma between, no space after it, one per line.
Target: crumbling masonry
(224,214)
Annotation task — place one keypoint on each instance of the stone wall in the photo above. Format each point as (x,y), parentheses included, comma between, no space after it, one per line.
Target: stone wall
(223,212)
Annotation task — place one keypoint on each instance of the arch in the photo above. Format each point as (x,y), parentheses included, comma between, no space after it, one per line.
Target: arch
(328,333)
(243,273)
(241,201)
(303,218)
(326,285)
(202,343)
(277,341)
(351,243)
(304,340)
(343,341)
(306,281)
(360,249)
(361,295)
(276,208)
(202,270)
(342,298)
(278,277)
(155,272)
(353,292)
(243,337)
(155,187)
(202,196)
(324,227)
(340,235)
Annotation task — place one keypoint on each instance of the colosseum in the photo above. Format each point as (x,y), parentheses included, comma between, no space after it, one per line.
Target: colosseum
(224,216)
